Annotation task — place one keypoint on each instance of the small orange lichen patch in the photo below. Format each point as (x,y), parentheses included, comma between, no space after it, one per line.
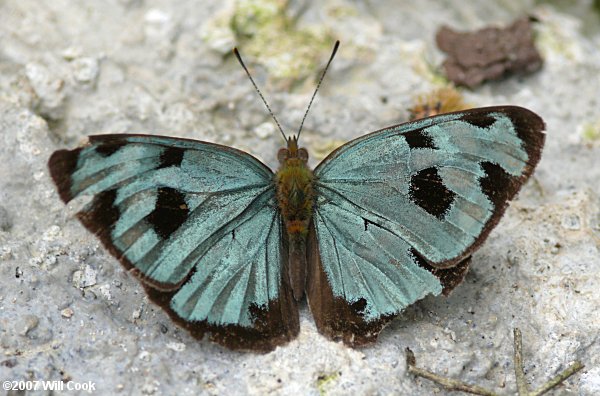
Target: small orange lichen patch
(439,101)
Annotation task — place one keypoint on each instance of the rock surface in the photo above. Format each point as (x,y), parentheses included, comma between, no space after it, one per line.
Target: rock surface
(69,69)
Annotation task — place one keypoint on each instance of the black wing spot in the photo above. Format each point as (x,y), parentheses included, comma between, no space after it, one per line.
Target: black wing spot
(170,212)
(101,214)
(421,262)
(419,139)
(359,306)
(497,184)
(172,156)
(479,119)
(369,222)
(427,190)
(106,150)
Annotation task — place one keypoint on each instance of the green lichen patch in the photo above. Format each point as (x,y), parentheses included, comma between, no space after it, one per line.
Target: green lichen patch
(590,133)
(324,380)
(265,32)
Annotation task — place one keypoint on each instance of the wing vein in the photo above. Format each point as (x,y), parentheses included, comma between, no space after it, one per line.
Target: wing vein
(337,254)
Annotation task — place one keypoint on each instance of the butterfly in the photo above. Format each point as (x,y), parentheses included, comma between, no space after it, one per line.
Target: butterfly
(228,248)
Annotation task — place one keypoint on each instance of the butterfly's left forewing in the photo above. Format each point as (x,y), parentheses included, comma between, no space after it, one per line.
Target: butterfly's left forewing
(184,216)
(399,211)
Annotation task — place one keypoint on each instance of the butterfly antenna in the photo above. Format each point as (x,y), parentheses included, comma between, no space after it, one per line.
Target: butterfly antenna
(239,58)
(335,48)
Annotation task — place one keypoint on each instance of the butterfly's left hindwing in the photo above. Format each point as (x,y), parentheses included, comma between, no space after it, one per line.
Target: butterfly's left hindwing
(399,212)
(183,215)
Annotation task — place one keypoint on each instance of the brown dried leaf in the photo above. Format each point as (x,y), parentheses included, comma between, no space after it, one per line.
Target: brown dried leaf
(489,53)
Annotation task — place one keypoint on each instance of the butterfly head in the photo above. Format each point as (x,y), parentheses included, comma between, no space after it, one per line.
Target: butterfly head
(292,152)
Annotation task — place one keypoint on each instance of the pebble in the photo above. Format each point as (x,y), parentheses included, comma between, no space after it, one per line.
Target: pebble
(30,322)
(85,70)
(48,88)
(84,278)
(571,222)
(67,313)
(176,346)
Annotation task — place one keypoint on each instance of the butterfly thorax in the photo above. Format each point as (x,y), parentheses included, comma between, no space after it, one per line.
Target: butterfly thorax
(295,196)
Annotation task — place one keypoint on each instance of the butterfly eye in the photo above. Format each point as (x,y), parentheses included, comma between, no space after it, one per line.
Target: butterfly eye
(282,155)
(303,154)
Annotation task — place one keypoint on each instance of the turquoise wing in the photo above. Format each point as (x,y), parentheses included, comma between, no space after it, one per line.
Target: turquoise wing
(183,215)
(399,212)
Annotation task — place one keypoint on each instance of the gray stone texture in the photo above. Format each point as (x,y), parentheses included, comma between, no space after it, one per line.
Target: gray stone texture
(74,68)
